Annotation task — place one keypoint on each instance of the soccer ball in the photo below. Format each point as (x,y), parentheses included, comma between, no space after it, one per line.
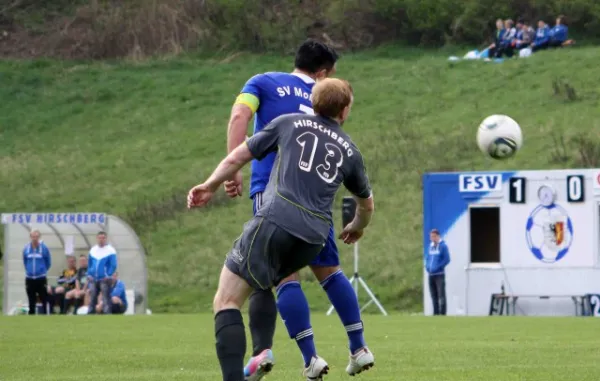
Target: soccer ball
(499,137)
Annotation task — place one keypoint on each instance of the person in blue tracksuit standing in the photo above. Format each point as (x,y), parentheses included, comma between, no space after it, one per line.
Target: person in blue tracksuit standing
(437,257)
(37,261)
(102,264)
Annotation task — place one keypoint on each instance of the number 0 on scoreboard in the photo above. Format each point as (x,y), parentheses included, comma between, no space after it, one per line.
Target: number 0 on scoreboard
(575,188)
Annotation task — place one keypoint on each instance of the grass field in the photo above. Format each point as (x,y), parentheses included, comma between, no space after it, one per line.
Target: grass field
(130,138)
(181,347)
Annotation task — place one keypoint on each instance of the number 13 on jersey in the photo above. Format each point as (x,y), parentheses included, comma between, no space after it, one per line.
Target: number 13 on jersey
(327,169)
(308,141)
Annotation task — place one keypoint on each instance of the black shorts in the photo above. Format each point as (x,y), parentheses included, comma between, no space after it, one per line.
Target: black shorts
(117,309)
(265,254)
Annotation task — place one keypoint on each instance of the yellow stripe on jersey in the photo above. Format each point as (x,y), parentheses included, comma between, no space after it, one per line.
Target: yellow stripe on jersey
(248,100)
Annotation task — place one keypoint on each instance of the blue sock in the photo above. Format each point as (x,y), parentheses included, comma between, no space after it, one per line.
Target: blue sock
(293,308)
(344,300)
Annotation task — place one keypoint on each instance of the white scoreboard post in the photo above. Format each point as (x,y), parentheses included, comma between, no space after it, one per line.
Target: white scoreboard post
(531,237)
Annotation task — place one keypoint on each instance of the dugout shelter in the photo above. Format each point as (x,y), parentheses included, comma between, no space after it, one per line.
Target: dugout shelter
(72,234)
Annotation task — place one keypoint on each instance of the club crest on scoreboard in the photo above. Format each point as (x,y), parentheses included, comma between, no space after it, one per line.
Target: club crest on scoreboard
(549,233)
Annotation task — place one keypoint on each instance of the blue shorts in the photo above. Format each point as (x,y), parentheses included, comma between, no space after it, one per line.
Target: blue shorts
(328,257)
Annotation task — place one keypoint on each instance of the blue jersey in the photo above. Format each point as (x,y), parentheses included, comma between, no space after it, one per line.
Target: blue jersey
(273,94)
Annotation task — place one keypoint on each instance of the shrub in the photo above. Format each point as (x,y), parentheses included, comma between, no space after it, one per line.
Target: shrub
(110,28)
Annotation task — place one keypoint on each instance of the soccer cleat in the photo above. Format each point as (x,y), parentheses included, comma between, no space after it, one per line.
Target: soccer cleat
(316,369)
(259,366)
(363,359)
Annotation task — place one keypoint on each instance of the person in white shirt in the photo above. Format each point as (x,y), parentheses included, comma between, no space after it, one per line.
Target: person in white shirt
(102,264)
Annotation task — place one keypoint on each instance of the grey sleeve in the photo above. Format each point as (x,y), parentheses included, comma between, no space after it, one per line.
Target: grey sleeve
(358,182)
(265,141)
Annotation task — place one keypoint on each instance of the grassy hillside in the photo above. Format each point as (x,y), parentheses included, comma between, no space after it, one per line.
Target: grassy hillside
(131,138)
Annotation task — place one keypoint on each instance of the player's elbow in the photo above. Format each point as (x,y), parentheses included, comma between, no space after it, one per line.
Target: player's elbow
(367,204)
(239,157)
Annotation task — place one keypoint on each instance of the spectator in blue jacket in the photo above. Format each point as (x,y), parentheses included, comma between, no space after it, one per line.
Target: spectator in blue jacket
(102,264)
(542,37)
(37,261)
(437,257)
(505,45)
(559,33)
(118,297)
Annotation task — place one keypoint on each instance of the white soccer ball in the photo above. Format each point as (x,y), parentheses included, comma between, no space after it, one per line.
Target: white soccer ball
(499,136)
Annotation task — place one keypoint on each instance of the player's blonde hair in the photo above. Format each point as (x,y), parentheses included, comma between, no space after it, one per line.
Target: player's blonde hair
(331,96)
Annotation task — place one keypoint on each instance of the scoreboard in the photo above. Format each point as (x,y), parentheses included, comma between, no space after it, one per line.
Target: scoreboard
(535,234)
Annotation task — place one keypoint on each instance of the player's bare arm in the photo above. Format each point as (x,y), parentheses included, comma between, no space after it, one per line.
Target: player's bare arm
(241,114)
(201,194)
(355,229)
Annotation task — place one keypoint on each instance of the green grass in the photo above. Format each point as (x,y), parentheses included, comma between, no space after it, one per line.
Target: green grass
(126,137)
(181,347)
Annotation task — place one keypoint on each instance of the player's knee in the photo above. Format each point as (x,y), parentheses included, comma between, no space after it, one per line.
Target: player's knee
(224,301)
(323,272)
(295,277)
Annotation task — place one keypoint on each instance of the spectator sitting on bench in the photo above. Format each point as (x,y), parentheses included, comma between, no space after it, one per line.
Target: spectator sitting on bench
(118,297)
(66,283)
(542,37)
(79,296)
(525,35)
(499,35)
(559,33)
(509,35)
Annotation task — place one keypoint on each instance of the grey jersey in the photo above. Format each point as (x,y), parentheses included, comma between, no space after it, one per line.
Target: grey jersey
(314,158)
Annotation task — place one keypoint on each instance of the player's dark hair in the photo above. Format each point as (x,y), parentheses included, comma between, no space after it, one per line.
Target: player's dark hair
(82,255)
(101,232)
(313,56)
(435,231)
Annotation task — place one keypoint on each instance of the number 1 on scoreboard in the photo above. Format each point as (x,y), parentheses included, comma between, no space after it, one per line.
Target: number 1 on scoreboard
(516,192)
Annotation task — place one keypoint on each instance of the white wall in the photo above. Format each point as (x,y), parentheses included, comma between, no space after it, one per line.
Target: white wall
(469,287)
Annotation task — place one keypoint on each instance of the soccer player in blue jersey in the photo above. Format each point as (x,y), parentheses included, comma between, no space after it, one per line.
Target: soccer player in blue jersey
(267,96)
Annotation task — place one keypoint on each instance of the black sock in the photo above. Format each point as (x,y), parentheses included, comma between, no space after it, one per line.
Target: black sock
(262,310)
(60,300)
(68,303)
(78,303)
(231,344)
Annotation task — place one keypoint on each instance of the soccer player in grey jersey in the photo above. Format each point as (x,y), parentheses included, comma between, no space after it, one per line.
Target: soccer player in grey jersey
(315,157)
